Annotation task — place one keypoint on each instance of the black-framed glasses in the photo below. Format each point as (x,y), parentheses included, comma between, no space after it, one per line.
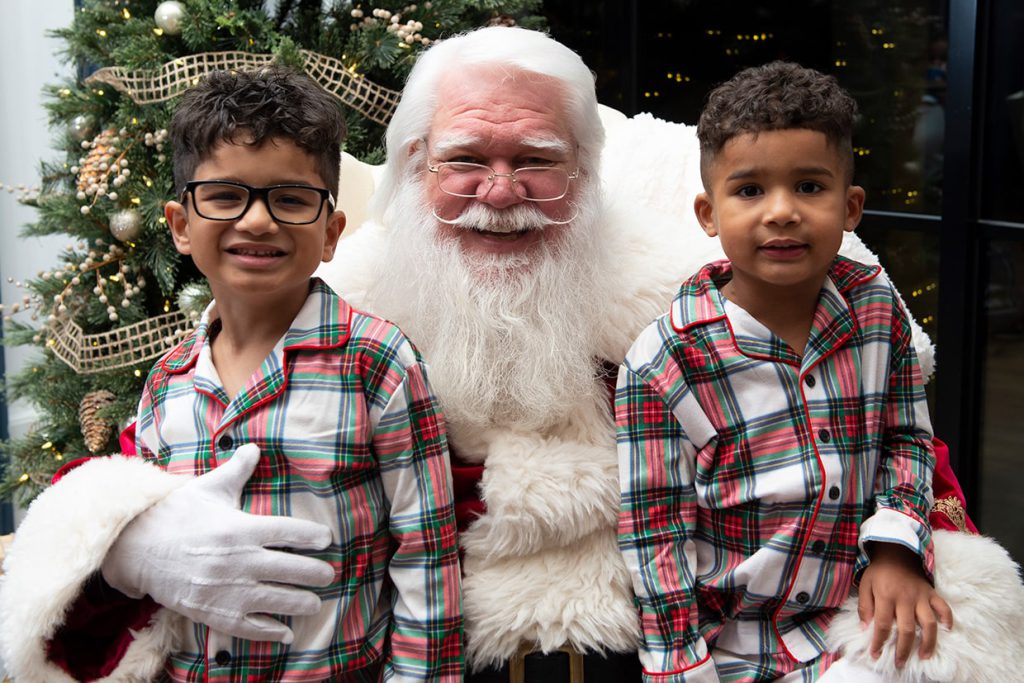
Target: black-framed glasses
(222,200)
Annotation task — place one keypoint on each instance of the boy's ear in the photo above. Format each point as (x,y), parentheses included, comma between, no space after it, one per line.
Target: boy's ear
(177,221)
(335,226)
(705,211)
(854,207)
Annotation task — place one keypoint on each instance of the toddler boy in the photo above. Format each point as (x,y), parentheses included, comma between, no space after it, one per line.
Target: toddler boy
(774,441)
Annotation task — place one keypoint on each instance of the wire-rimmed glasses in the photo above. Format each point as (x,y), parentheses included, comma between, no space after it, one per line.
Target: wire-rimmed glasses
(222,200)
(533,183)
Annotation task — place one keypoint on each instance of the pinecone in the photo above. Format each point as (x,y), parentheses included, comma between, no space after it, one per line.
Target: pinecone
(95,430)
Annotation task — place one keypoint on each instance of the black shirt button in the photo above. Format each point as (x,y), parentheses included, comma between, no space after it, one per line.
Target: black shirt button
(223,658)
(834,492)
(802,597)
(225,443)
(810,381)
(824,435)
(818,547)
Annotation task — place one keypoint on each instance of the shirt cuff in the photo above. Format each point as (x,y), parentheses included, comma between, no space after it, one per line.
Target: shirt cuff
(892,526)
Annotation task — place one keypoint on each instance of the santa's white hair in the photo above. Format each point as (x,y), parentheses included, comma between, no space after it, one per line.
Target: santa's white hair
(509,49)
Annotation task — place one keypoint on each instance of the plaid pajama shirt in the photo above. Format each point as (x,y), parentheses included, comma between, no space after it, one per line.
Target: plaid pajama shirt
(350,436)
(752,477)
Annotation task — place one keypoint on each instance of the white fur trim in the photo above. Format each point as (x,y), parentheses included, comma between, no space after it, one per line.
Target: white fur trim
(543,492)
(578,594)
(981,583)
(61,542)
(543,566)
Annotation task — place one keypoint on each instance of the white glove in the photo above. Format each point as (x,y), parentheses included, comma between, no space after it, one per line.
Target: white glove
(198,554)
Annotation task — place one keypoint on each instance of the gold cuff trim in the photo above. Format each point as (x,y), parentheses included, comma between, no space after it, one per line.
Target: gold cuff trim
(953,510)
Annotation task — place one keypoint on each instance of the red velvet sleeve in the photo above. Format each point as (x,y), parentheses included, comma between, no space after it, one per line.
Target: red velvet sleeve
(95,633)
(465,485)
(950,509)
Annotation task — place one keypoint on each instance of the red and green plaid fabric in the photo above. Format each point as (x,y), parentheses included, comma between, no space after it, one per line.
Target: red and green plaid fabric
(350,436)
(752,476)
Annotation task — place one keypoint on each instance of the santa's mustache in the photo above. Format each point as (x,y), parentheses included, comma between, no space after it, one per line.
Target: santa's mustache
(518,218)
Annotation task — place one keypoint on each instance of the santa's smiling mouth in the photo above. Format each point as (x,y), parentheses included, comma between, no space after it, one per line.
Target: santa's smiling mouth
(505,236)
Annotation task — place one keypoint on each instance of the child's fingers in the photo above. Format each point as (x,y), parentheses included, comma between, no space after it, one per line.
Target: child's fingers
(883,618)
(906,630)
(942,610)
(929,629)
(865,605)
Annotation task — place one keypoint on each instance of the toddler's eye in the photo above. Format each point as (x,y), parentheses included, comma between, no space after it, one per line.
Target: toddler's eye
(808,187)
(748,191)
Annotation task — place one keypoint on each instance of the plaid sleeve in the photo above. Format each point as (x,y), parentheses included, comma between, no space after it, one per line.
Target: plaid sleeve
(657,521)
(903,484)
(410,445)
(145,429)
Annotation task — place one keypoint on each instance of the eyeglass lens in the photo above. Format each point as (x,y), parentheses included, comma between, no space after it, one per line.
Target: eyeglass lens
(288,204)
(472,180)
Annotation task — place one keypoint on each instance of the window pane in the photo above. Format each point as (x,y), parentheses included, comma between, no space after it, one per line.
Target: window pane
(1002,434)
(1003,144)
(911,258)
(893,63)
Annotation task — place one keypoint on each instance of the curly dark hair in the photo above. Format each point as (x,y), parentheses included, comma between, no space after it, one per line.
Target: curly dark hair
(776,96)
(273,102)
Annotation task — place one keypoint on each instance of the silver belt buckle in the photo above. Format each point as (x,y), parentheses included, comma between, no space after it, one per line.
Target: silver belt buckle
(517,664)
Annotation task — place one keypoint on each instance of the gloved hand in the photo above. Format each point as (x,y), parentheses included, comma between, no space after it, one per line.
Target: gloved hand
(197,553)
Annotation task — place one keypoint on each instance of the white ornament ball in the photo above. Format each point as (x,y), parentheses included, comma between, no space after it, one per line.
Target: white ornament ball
(126,225)
(168,16)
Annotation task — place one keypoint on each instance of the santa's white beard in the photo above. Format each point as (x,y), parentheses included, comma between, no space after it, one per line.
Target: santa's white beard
(509,340)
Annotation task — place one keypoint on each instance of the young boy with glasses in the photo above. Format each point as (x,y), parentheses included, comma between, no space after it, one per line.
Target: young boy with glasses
(774,440)
(336,400)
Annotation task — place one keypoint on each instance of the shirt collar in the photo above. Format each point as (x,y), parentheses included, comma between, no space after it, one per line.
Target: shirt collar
(323,322)
(699,301)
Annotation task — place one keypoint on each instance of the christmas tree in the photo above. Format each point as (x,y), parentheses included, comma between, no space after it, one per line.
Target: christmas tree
(120,295)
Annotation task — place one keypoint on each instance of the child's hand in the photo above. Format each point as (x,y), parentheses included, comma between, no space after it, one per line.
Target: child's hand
(894,587)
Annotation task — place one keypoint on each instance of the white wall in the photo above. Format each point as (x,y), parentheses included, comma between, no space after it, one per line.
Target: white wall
(28,61)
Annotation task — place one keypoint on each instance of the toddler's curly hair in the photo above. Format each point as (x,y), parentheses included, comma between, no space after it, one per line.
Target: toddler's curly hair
(777,96)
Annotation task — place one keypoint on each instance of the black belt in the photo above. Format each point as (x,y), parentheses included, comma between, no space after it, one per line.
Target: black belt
(563,666)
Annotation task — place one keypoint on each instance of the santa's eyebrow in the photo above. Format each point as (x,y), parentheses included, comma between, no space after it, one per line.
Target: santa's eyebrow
(541,143)
(550,144)
(450,142)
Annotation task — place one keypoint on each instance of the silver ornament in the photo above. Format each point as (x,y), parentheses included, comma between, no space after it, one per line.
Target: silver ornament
(194,298)
(82,127)
(168,16)
(126,225)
